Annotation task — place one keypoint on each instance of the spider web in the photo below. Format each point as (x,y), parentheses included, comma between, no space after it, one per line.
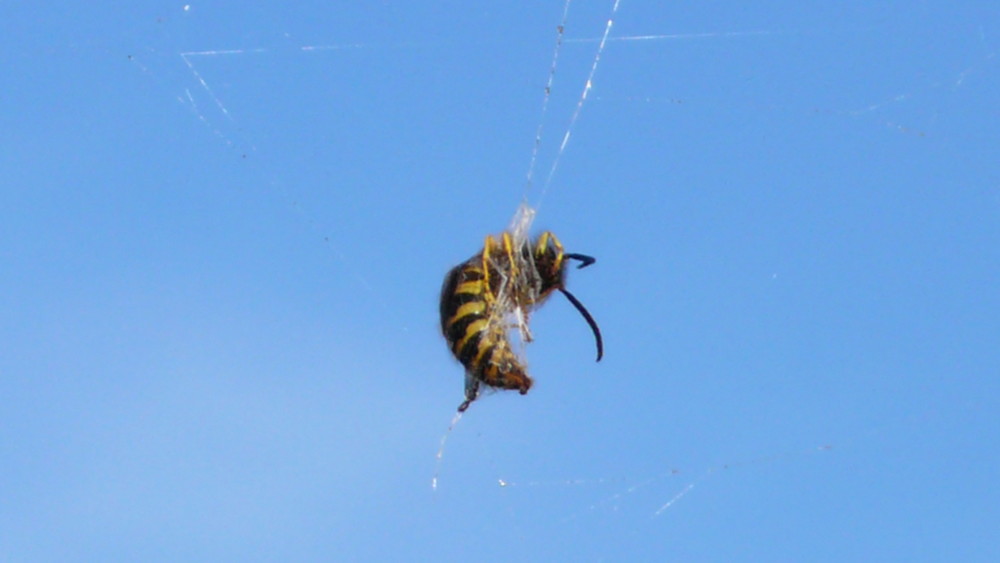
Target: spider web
(794,211)
(658,490)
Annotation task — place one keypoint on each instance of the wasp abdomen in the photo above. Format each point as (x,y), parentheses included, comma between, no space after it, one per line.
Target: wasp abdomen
(476,333)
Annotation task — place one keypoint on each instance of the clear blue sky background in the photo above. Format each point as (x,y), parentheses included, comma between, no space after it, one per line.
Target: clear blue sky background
(219,277)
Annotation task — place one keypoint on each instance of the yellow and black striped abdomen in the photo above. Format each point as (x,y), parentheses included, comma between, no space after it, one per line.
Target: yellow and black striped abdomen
(464,310)
(476,334)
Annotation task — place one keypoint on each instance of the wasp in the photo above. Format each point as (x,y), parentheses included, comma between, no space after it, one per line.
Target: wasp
(508,279)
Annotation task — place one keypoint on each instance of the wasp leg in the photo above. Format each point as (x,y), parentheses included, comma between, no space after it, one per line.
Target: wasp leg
(471,391)
(543,243)
(508,248)
(489,246)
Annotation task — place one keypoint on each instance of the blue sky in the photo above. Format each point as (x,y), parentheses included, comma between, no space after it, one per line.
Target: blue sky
(225,229)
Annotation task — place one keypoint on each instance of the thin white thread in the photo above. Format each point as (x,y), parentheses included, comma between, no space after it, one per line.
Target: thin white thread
(204,84)
(440,452)
(675,36)
(545,99)
(312,223)
(676,498)
(588,85)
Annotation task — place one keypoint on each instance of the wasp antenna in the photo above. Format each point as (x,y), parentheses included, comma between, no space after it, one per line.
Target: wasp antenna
(590,320)
(583,258)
